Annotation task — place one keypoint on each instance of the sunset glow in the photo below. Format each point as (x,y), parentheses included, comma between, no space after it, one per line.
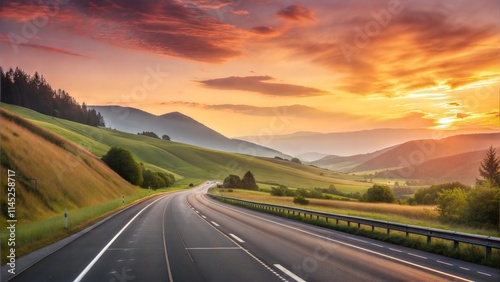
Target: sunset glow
(236,66)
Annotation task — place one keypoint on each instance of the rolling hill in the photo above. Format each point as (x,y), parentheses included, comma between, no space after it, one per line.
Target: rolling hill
(417,152)
(179,128)
(67,176)
(187,161)
(462,167)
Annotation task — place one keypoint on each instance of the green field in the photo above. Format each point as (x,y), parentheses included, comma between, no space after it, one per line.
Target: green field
(186,161)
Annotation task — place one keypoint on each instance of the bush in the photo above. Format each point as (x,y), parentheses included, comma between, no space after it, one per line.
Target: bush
(379,194)
(281,191)
(428,196)
(123,163)
(232,181)
(301,200)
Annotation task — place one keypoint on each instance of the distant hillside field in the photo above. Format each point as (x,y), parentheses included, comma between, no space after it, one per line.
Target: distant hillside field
(187,161)
(65,173)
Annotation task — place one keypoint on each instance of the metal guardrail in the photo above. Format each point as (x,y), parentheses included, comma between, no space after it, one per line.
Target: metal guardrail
(457,237)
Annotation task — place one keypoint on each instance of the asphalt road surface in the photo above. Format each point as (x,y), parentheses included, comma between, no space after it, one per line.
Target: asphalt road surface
(188,236)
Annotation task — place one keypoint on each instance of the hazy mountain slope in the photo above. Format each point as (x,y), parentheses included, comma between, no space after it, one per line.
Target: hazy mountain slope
(343,143)
(462,167)
(67,175)
(346,164)
(179,128)
(419,151)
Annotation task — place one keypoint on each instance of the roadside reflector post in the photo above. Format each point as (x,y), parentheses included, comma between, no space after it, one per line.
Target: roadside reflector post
(65,218)
(123,200)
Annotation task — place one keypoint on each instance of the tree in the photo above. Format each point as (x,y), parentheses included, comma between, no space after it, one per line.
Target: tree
(165,137)
(379,194)
(248,182)
(428,196)
(452,205)
(301,200)
(232,181)
(123,163)
(490,168)
(296,160)
(482,206)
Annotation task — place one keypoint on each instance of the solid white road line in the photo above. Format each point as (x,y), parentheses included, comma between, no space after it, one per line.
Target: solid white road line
(342,243)
(91,264)
(289,273)
(236,238)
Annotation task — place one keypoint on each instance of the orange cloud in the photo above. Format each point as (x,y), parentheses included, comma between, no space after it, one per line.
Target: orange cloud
(296,13)
(260,85)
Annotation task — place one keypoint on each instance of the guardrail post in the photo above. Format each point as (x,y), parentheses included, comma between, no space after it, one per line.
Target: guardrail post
(388,231)
(487,252)
(455,244)
(348,223)
(429,237)
(326,218)
(359,225)
(373,228)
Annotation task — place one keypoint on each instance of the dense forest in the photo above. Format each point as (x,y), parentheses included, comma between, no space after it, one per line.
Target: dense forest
(33,92)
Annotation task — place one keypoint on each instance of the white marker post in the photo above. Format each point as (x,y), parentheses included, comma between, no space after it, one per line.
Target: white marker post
(65,218)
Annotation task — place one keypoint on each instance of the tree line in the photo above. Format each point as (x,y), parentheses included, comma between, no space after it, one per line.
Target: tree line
(34,92)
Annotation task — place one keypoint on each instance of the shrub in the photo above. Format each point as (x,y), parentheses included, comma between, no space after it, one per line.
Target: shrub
(301,200)
(379,194)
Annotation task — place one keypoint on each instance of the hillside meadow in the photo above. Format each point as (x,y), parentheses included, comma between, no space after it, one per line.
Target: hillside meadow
(187,161)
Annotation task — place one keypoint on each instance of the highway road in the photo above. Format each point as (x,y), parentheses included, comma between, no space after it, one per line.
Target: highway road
(188,236)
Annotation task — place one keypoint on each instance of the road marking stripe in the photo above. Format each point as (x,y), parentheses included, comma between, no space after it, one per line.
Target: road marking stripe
(445,263)
(213,222)
(464,268)
(417,256)
(399,251)
(378,245)
(237,238)
(484,273)
(289,273)
(215,248)
(204,217)
(91,264)
(337,241)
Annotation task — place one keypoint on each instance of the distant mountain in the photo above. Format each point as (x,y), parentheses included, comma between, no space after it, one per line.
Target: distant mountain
(454,158)
(462,167)
(346,164)
(416,152)
(311,156)
(345,143)
(180,128)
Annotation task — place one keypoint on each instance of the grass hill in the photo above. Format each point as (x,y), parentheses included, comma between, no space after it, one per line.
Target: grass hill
(462,167)
(186,161)
(419,151)
(67,176)
(179,128)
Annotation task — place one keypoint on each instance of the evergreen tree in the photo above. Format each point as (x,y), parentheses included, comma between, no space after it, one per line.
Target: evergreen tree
(248,182)
(490,168)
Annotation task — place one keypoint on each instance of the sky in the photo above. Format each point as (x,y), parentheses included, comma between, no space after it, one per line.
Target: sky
(251,67)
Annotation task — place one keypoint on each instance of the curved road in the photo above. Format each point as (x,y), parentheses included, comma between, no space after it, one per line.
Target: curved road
(188,236)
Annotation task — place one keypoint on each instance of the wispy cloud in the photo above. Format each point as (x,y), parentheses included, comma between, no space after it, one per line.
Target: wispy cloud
(261,84)
(171,28)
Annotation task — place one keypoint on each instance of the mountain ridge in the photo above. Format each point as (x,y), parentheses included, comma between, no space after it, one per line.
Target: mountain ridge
(180,128)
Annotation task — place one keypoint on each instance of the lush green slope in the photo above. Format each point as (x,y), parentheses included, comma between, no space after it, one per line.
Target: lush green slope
(193,163)
(66,175)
